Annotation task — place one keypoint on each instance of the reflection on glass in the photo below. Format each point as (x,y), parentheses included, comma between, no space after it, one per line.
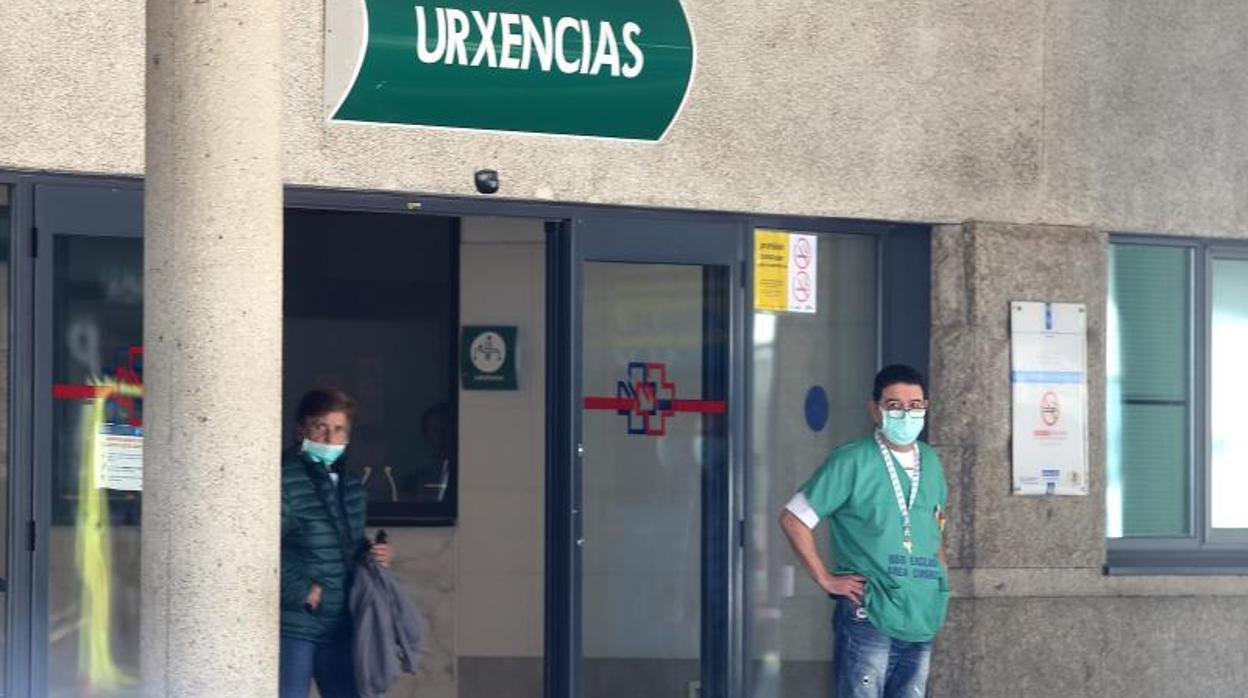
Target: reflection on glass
(794,354)
(5,227)
(1229,382)
(647,424)
(371,308)
(97,467)
(1148,399)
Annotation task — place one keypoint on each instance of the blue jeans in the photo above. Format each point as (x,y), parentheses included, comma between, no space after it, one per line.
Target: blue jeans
(870,664)
(329,663)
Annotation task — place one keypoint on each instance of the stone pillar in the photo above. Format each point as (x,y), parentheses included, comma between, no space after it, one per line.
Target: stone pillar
(212,336)
(1008,553)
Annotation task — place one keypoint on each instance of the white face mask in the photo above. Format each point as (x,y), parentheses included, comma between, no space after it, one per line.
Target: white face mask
(325,454)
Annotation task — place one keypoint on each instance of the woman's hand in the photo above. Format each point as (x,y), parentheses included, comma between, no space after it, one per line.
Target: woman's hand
(314,597)
(381,553)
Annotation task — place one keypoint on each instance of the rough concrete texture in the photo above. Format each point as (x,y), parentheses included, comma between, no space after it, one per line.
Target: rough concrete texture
(72,79)
(1062,112)
(1146,115)
(1033,614)
(1003,582)
(212,334)
(979,269)
(1103,647)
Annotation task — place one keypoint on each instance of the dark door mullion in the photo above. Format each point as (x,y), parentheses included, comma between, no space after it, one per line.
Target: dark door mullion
(561,628)
(41,477)
(717,520)
(21,377)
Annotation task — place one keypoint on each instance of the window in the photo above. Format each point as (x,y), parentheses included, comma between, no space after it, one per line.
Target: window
(371,305)
(1177,465)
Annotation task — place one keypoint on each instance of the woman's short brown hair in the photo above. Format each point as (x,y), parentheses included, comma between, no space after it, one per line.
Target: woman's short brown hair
(321,401)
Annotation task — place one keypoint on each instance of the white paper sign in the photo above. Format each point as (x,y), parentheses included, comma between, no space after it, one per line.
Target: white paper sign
(120,453)
(1048,373)
(803,273)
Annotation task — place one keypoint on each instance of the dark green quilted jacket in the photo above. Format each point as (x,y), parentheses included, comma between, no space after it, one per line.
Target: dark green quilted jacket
(318,547)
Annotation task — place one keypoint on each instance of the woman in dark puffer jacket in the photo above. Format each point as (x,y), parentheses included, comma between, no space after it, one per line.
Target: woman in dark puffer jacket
(323,510)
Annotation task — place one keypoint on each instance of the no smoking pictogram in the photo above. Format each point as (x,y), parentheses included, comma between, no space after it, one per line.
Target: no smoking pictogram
(802,253)
(801,287)
(1050,412)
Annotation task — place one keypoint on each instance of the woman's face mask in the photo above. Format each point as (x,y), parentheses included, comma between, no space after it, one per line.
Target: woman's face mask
(325,454)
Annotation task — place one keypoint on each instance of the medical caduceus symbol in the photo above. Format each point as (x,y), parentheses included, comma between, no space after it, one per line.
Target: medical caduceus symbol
(648,399)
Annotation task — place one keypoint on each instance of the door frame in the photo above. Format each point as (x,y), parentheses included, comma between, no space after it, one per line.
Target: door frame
(19,528)
(111,210)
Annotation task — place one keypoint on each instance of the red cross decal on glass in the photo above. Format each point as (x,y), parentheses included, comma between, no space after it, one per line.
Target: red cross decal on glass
(128,375)
(647,398)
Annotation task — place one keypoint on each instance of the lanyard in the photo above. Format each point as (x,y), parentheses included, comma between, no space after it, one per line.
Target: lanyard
(901,498)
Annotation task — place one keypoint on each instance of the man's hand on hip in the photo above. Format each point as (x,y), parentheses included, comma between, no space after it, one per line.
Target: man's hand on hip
(851,586)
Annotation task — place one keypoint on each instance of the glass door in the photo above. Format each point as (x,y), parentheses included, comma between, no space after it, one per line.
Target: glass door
(88,441)
(654,563)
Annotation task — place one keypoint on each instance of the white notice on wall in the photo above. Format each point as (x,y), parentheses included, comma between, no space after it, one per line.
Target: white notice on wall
(120,452)
(1048,373)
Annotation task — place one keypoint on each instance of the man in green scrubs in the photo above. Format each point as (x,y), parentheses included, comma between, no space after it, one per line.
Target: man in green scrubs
(883,496)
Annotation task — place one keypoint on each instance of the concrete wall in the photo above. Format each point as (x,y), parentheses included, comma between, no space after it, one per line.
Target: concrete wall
(481,583)
(1032,613)
(1122,117)
(500,603)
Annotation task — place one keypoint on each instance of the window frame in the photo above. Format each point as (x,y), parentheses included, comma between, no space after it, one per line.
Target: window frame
(1205,550)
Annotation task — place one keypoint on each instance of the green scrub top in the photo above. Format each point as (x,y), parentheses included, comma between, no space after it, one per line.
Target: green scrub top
(906,593)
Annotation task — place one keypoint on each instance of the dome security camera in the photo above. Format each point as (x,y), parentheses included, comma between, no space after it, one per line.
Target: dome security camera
(486,181)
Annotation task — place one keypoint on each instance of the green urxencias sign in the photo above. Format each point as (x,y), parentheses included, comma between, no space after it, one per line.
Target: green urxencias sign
(608,68)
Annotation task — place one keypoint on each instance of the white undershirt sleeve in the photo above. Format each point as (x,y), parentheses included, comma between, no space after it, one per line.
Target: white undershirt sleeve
(800,507)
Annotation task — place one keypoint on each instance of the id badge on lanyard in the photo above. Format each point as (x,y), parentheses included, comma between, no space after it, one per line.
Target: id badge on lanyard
(907,539)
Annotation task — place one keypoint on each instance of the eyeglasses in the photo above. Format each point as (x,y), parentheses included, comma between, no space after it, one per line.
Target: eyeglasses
(896,409)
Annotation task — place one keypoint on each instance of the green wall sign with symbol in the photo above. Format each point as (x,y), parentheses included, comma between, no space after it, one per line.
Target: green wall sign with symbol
(606,68)
(487,357)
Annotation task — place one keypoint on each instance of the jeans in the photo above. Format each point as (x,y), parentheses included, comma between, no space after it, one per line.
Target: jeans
(328,662)
(869,664)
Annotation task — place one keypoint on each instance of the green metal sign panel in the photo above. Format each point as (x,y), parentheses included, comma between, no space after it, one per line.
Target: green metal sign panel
(487,357)
(606,68)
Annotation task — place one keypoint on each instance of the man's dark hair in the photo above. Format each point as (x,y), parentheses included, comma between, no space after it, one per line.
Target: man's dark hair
(894,374)
(322,401)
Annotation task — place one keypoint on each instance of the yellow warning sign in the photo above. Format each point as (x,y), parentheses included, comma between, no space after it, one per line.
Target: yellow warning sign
(771,270)
(785,271)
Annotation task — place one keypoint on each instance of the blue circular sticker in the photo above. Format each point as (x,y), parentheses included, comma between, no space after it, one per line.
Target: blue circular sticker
(816,408)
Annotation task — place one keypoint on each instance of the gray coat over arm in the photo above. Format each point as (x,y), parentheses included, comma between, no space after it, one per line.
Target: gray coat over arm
(388,629)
